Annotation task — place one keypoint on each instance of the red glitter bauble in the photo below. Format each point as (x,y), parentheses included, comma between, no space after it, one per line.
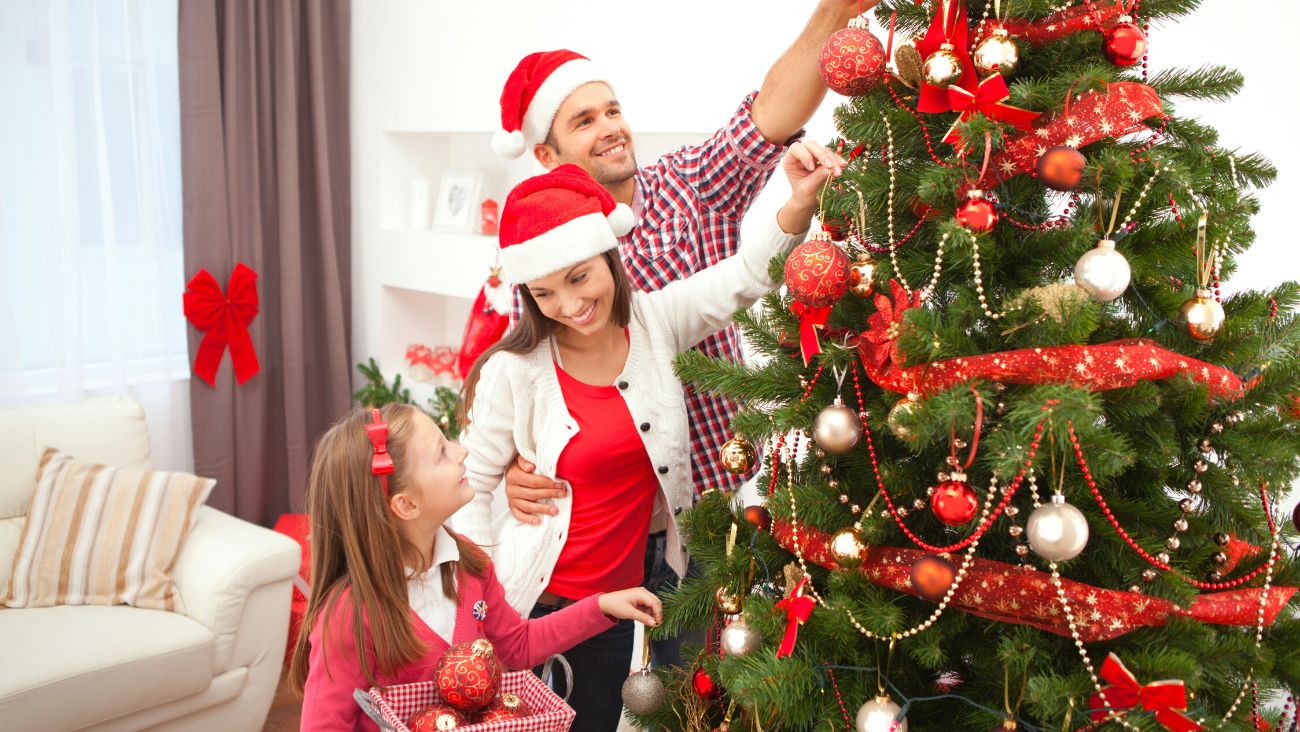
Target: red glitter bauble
(977,213)
(954,502)
(1124,44)
(852,61)
(704,685)
(436,718)
(468,675)
(817,272)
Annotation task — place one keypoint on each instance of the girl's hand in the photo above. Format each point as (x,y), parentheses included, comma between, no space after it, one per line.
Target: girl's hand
(808,165)
(636,603)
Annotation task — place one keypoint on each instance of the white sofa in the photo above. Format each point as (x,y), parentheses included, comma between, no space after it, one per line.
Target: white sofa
(214,667)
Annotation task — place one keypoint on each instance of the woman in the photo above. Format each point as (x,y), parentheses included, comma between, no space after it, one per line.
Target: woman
(583,387)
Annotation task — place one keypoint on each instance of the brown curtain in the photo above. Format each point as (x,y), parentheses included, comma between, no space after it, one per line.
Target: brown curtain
(267,182)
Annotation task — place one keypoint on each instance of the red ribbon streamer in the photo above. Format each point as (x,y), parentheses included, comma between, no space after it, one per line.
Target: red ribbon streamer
(987,100)
(223,318)
(932,98)
(811,320)
(1165,699)
(798,609)
(1024,596)
(1063,23)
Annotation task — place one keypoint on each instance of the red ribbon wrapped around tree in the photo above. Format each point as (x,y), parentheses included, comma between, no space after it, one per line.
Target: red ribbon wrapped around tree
(948,26)
(1165,699)
(1024,596)
(811,320)
(798,608)
(223,318)
(1064,23)
(987,99)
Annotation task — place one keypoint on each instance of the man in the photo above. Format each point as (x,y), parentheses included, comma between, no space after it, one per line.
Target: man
(689,205)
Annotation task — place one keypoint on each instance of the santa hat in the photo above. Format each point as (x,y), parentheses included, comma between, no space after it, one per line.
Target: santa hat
(533,94)
(555,220)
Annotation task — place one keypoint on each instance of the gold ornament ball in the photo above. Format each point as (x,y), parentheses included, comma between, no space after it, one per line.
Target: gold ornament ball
(861,273)
(846,548)
(901,411)
(737,456)
(1202,316)
(728,602)
(997,53)
(943,68)
(837,429)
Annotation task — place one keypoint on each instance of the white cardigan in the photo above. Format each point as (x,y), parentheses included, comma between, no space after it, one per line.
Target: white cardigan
(519,408)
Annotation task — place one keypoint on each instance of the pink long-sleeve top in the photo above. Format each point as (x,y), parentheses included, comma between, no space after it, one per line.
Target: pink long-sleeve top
(519,644)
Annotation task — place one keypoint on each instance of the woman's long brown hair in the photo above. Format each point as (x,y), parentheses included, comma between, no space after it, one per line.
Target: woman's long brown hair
(355,545)
(533,328)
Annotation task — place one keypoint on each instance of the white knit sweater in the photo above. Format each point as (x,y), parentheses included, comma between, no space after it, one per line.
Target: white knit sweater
(519,408)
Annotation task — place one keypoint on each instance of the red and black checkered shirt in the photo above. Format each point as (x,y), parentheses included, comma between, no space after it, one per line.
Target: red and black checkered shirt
(689,204)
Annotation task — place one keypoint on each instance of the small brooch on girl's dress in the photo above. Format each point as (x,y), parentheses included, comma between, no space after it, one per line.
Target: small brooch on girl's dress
(480,610)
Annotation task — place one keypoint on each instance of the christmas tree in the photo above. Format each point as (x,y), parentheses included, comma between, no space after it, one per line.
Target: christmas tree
(1020,458)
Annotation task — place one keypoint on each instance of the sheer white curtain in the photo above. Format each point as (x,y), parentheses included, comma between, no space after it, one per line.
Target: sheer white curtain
(90,210)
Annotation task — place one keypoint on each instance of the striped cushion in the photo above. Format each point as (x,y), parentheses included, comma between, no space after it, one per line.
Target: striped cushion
(96,535)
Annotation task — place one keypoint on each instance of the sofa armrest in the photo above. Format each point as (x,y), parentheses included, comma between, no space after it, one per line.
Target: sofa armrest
(223,560)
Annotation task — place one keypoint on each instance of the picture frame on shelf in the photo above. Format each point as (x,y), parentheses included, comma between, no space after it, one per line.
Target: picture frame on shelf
(458,203)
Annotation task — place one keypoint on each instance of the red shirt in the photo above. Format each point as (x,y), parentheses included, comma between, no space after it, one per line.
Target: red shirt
(613,488)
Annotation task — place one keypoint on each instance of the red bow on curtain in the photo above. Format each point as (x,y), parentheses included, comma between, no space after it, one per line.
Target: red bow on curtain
(223,319)
(798,608)
(1165,699)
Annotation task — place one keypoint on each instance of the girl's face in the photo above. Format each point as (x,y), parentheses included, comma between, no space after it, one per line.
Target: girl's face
(580,297)
(435,481)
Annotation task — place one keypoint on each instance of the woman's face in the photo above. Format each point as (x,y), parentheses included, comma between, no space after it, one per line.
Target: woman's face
(580,297)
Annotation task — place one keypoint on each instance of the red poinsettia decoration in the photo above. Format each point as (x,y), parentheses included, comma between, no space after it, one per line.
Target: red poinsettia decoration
(880,341)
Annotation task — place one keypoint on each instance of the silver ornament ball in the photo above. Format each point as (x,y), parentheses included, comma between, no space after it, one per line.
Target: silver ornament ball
(1103,272)
(837,429)
(878,715)
(643,693)
(1057,531)
(738,638)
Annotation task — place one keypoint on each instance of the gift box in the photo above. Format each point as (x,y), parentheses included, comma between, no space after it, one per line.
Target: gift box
(391,708)
(296,526)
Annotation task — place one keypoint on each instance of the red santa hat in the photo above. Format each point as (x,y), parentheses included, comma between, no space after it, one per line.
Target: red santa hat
(555,220)
(533,94)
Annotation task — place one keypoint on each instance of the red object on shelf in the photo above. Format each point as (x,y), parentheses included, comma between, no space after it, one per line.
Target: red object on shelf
(297,526)
(489,217)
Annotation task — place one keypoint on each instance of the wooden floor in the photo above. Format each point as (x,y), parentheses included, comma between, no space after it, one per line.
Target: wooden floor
(286,710)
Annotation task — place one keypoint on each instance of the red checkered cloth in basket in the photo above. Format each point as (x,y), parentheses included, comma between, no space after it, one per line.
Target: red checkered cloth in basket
(547,712)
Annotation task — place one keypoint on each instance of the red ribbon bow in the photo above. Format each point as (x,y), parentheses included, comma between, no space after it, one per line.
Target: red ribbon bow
(987,100)
(811,320)
(381,462)
(223,318)
(798,609)
(1165,699)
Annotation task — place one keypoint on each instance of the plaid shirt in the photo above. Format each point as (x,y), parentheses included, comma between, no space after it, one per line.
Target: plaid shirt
(689,204)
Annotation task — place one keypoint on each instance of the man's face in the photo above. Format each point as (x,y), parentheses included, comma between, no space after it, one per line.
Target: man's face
(590,132)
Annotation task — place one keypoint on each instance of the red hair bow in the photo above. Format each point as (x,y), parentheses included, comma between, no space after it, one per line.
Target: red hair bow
(381,463)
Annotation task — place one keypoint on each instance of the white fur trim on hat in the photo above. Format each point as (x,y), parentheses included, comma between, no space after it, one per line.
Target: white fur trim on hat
(621,219)
(564,246)
(552,93)
(508,144)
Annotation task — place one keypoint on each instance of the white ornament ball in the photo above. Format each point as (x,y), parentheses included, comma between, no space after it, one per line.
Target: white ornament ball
(1057,531)
(738,638)
(643,693)
(837,429)
(1103,272)
(878,715)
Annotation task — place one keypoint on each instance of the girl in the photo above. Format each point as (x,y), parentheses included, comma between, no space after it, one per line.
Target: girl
(392,588)
(583,387)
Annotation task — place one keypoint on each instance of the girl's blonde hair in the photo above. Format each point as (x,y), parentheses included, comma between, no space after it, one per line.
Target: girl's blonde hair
(355,545)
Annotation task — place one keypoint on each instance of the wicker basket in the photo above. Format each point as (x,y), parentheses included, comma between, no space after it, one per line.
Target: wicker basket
(392,707)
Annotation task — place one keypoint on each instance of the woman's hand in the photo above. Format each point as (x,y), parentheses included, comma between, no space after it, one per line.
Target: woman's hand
(808,165)
(636,603)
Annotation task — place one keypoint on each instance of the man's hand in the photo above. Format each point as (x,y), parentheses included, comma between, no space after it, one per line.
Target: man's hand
(525,491)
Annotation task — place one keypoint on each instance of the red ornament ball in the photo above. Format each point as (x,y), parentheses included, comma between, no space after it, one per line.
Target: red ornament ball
(954,502)
(759,517)
(468,675)
(852,61)
(1295,517)
(817,272)
(1124,44)
(932,575)
(436,718)
(1061,168)
(977,213)
(704,685)
(508,706)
